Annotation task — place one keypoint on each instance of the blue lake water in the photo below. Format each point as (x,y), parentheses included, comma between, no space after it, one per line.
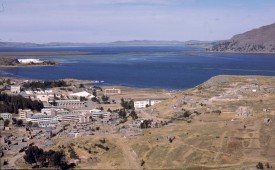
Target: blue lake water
(169,67)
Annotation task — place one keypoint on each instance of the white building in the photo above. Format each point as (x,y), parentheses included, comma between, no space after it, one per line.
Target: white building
(83,94)
(71,104)
(39,91)
(6,116)
(142,103)
(102,114)
(44,97)
(26,113)
(40,118)
(15,89)
(48,123)
(28,61)
(68,117)
(112,91)
(48,111)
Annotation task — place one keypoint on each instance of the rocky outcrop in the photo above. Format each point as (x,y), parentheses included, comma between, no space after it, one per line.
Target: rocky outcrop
(261,40)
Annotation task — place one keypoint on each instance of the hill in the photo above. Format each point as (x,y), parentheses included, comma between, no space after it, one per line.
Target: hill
(227,129)
(260,40)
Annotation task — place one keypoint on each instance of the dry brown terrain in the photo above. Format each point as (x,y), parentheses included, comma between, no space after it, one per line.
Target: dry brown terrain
(211,140)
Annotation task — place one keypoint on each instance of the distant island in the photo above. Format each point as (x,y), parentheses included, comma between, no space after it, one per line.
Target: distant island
(14,62)
(260,40)
(115,43)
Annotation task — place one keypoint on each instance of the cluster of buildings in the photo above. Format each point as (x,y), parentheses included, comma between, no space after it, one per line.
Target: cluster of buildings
(51,117)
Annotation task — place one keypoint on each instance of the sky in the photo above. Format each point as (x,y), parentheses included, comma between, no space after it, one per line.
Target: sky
(98,21)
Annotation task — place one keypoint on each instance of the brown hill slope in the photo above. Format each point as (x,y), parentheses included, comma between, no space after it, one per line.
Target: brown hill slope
(260,40)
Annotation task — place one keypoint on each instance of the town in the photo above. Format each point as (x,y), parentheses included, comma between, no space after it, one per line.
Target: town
(51,110)
(91,125)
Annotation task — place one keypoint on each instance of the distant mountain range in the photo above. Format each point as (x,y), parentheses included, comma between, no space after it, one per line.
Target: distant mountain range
(118,43)
(260,40)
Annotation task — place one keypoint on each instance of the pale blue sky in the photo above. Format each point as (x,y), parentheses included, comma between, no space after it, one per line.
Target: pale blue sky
(113,20)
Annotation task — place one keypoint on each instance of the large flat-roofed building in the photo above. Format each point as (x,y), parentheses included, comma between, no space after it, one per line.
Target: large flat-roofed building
(142,103)
(40,117)
(26,113)
(68,117)
(48,123)
(6,116)
(112,91)
(70,104)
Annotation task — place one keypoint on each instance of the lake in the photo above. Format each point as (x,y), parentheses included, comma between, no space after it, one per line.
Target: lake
(168,67)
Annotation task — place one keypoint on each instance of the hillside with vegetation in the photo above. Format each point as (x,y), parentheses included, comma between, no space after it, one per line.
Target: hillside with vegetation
(260,40)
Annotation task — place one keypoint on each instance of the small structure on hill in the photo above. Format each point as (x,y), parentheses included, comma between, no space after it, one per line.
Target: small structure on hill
(267,121)
(244,112)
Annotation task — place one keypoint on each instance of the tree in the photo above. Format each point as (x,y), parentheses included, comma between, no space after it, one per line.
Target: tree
(29,124)
(6,123)
(19,122)
(56,159)
(1,118)
(122,113)
(260,165)
(81,86)
(133,115)
(32,154)
(14,120)
(105,98)
(94,93)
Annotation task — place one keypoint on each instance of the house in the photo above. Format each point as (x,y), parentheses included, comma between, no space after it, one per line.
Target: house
(6,116)
(26,113)
(15,89)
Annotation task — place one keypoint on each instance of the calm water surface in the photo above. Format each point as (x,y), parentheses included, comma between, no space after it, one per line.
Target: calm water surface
(169,67)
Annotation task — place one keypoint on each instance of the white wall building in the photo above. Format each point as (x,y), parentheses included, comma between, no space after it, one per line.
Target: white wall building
(28,61)
(40,118)
(112,91)
(48,123)
(142,103)
(82,94)
(71,104)
(15,89)
(6,116)
(26,113)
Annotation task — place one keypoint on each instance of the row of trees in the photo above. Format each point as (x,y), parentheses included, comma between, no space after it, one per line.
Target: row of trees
(11,103)
(44,84)
(47,159)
